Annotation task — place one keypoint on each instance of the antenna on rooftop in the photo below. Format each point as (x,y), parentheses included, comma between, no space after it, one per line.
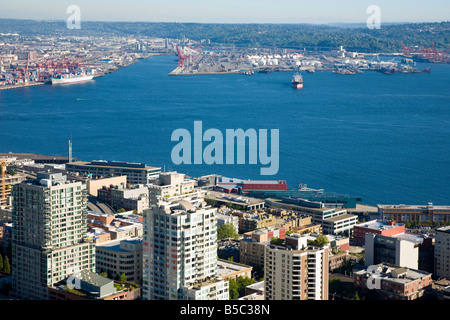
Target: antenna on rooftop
(70,149)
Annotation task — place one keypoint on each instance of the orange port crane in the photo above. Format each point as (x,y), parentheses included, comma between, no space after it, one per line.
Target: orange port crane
(181,57)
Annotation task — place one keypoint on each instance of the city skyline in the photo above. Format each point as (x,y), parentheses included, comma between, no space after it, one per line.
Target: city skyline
(250,11)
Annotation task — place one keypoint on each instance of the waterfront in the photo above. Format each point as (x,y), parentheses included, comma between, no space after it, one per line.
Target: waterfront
(383,138)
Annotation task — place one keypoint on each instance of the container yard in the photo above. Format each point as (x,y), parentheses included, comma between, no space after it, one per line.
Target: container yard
(195,61)
(38,61)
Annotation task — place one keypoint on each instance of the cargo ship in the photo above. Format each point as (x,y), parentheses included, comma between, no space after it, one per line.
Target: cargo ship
(64,78)
(297,81)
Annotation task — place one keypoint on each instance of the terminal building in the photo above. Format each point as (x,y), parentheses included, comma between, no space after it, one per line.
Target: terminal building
(418,213)
(137,173)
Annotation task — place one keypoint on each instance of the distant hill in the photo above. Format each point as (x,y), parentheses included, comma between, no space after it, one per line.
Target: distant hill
(356,37)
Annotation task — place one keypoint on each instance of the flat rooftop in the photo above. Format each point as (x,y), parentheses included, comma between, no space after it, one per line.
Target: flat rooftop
(378,225)
(344,216)
(113,164)
(296,207)
(444,229)
(237,199)
(363,208)
(115,244)
(225,267)
(409,237)
(34,156)
(430,206)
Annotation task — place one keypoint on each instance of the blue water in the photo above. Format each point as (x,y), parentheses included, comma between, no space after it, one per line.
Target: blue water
(379,137)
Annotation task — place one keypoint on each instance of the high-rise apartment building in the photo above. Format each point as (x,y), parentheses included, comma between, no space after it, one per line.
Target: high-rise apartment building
(180,252)
(49,234)
(442,253)
(296,271)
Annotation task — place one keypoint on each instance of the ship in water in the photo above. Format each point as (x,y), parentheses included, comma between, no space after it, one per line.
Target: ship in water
(72,77)
(297,81)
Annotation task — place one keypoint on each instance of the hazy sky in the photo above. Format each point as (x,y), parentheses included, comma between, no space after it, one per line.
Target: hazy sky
(230,11)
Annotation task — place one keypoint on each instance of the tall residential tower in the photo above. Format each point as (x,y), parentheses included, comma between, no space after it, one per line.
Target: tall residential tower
(49,234)
(180,252)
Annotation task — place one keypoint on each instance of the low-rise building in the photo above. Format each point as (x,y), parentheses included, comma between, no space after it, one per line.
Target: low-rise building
(395,251)
(235,201)
(169,185)
(232,270)
(120,257)
(92,185)
(118,228)
(252,246)
(380,227)
(127,197)
(88,285)
(224,218)
(393,282)
(136,173)
(418,213)
(340,225)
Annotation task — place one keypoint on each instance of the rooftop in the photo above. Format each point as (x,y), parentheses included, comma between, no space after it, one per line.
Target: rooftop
(396,274)
(444,229)
(342,217)
(225,267)
(430,205)
(114,164)
(409,237)
(379,225)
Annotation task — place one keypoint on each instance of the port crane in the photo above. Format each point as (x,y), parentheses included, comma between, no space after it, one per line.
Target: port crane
(431,54)
(181,57)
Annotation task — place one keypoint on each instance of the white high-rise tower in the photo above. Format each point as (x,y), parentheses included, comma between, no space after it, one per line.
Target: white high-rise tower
(180,252)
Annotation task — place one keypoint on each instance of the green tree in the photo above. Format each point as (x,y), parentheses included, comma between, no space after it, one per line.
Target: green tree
(321,241)
(233,287)
(1,262)
(225,231)
(336,286)
(356,296)
(104,274)
(121,210)
(276,241)
(6,266)
(242,283)
(123,278)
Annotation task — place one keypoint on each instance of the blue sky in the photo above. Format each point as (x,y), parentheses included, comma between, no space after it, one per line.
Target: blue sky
(231,11)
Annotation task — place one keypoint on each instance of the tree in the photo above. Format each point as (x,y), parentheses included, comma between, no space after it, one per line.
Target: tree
(233,289)
(225,231)
(121,210)
(6,266)
(1,262)
(321,241)
(237,286)
(104,274)
(356,296)
(123,278)
(276,241)
(336,286)
(242,283)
